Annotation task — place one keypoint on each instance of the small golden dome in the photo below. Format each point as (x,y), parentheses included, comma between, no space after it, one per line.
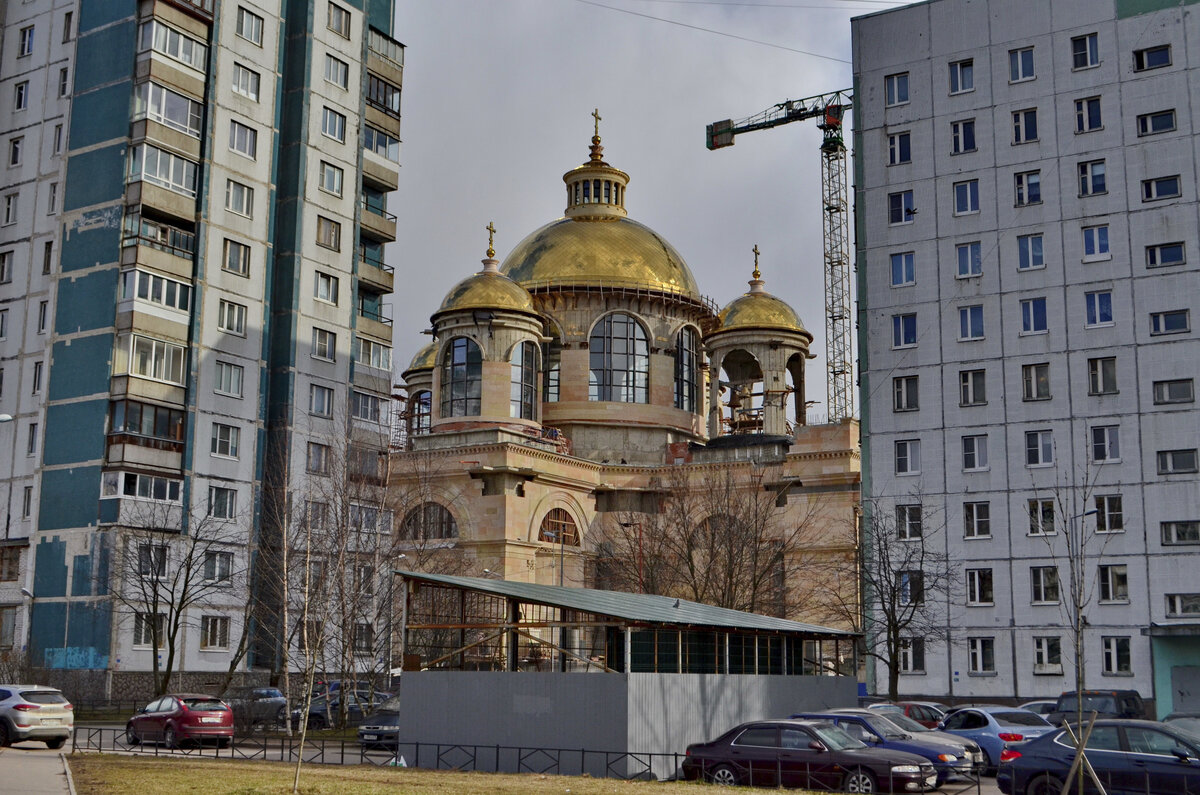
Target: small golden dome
(758,309)
(425,359)
(488,289)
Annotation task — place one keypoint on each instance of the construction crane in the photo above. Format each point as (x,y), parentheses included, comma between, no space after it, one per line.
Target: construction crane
(828,109)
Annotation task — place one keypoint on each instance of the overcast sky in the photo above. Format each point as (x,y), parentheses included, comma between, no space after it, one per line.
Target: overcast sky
(497,104)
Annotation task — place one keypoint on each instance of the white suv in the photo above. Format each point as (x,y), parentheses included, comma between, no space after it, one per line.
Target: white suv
(34,712)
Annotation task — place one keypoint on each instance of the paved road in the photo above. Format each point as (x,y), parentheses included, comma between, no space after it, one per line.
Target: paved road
(33,769)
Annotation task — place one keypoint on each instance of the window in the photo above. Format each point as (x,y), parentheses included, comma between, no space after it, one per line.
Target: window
(1165,254)
(1091,178)
(333,125)
(1102,375)
(981,655)
(381,143)
(367,407)
(1173,461)
(31,440)
(1179,390)
(67,29)
(48,253)
(14,150)
(1154,123)
(222,504)
(523,381)
(3,323)
(239,198)
(324,344)
(27,502)
(152,561)
(36,380)
(174,44)
(1095,243)
(1020,65)
(1183,604)
(1039,448)
(1174,533)
(962,76)
(977,521)
(904,393)
(1047,655)
(1028,188)
(970,322)
(1025,126)
(966,197)
(57,146)
(974,450)
(979,586)
(1152,58)
(1114,583)
(903,269)
(896,88)
(163,168)
(1085,51)
(1173,322)
(1160,188)
(1099,308)
(1087,115)
(155,289)
(338,20)
(1029,252)
(962,136)
(908,522)
(1116,655)
(224,440)
(364,638)
(383,95)
(25,41)
(912,587)
(243,139)
(1044,582)
(462,378)
(21,95)
(229,379)
(161,361)
(1033,315)
(10,564)
(6,268)
(371,354)
(1109,516)
(231,318)
(901,208)
(317,458)
(618,358)
(236,258)
(64,82)
(972,387)
(904,331)
(329,233)
(970,259)
(320,400)
(899,148)
(10,208)
(214,632)
(43,312)
(245,82)
(422,413)
(325,287)
(249,26)
(337,72)
(908,457)
(147,628)
(52,198)
(912,655)
(331,179)
(430,521)
(687,370)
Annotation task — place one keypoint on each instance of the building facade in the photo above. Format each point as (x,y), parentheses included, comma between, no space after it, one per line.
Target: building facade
(191,314)
(1027,245)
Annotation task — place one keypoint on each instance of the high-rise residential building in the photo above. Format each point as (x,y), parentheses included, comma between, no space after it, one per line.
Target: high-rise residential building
(192,277)
(1028,252)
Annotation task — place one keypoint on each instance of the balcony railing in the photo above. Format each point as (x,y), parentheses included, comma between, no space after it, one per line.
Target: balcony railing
(159,235)
(376,315)
(386,47)
(375,263)
(382,213)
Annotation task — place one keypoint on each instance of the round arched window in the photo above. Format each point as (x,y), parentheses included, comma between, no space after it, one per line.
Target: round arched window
(462,379)
(559,528)
(619,358)
(428,521)
(420,413)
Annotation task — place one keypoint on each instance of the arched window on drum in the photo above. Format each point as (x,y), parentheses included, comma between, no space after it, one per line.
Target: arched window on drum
(462,379)
(523,396)
(619,360)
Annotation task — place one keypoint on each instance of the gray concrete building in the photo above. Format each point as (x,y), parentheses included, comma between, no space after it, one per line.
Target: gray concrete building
(1028,257)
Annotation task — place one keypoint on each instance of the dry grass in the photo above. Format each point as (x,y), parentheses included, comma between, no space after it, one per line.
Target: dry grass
(109,774)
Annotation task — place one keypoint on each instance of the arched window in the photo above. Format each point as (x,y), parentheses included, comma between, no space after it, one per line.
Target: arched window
(559,528)
(686,370)
(552,364)
(462,379)
(420,413)
(619,361)
(523,397)
(428,521)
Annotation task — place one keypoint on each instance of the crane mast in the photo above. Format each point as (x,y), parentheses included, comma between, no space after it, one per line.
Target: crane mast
(829,110)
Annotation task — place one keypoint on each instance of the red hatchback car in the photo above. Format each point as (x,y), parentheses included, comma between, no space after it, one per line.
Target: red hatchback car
(185,717)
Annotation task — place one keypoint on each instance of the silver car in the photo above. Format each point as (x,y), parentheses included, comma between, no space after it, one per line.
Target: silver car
(34,712)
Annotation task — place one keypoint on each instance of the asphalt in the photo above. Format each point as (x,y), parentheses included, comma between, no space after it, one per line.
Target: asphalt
(33,769)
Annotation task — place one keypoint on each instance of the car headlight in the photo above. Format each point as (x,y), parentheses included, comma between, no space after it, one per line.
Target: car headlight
(898,769)
(947,758)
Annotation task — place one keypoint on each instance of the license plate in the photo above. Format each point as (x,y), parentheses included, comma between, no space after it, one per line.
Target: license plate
(51,722)
(210,720)
(370,736)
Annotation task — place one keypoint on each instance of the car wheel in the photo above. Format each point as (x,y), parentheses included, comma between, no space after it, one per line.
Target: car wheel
(723,776)
(989,767)
(224,742)
(1044,785)
(281,717)
(56,743)
(4,739)
(169,738)
(859,781)
(131,737)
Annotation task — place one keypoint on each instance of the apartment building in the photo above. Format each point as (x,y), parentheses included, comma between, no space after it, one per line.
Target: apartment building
(191,302)
(1028,251)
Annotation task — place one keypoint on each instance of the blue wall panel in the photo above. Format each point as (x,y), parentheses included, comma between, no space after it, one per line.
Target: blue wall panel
(50,568)
(69,498)
(47,626)
(81,575)
(95,177)
(87,303)
(99,116)
(74,432)
(93,238)
(88,632)
(82,367)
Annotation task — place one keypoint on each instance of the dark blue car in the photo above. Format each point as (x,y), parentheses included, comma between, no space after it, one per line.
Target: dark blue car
(1131,757)
(874,729)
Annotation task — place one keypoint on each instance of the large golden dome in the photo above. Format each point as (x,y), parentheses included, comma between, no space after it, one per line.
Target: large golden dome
(488,289)
(614,252)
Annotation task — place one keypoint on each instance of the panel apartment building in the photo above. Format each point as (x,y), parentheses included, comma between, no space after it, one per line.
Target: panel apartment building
(192,225)
(1028,259)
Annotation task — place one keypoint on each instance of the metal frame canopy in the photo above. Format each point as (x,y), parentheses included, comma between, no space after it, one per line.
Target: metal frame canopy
(473,623)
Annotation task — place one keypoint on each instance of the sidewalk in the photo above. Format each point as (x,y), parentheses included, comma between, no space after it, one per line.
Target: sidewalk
(32,769)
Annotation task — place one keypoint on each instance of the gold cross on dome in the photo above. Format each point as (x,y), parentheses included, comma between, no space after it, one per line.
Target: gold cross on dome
(491,230)
(757,275)
(596,116)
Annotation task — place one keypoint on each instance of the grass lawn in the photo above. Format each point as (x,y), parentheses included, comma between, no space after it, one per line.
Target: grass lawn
(111,774)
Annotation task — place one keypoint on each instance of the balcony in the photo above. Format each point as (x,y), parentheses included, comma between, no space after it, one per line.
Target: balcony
(141,231)
(379,172)
(374,324)
(376,273)
(144,452)
(199,8)
(376,223)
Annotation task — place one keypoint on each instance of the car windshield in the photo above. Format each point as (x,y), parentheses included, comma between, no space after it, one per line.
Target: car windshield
(43,697)
(269,693)
(204,704)
(883,725)
(390,705)
(905,723)
(1191,725)
(1019,719)
(835,739)
(1097,703)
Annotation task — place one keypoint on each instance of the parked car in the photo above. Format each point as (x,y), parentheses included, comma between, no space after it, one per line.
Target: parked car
(874,728)
(1105,703)
(1131,757)
(323,710)
(994,726)
(1041,707)
(182,718)
(257,706)
(34,712)
(805,753)
(969,747)
(381,728)
(926,713)
(1184,721)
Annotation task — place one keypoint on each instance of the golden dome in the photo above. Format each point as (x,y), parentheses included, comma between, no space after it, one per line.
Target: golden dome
(488,289)
(614,252)
(425,359)
(758,309)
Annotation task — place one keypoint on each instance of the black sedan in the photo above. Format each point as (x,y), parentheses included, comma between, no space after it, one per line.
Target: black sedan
(381,728)
(805,753)
(1131,757)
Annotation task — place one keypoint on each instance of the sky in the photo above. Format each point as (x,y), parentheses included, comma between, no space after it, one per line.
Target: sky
(497,104)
